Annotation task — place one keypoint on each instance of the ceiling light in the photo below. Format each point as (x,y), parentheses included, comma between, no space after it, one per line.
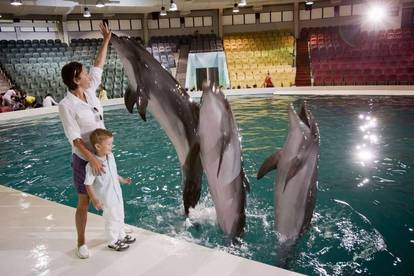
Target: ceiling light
(242,3)
(173,6)
(163,11)
(376,13)
(100,4)
(86,12)
(309,3)
(16,2)
(236,8)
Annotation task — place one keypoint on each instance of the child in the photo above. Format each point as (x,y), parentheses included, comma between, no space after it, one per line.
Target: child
(105,191)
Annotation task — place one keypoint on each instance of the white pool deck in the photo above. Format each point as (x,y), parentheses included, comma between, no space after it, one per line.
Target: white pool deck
(38,236)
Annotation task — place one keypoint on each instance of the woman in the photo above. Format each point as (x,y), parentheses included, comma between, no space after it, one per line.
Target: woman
(81,113)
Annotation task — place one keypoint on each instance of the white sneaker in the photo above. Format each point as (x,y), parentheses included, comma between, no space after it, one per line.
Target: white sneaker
(82,252)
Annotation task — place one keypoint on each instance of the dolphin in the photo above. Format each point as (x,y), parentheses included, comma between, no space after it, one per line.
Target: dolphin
(296,180)
(152,87)
(221,157)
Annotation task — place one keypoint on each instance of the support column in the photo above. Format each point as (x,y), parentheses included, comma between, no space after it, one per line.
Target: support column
(145,28)
(63,31)
(220,23)
(296,19)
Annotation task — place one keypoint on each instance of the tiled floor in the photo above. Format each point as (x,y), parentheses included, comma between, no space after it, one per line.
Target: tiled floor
(37,237)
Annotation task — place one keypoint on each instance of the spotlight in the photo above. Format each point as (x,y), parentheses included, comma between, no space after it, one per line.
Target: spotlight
(16,2)
(100,4)
(236,8)
(242,3)
(173,6)
(163,11)
(308,5)
(376,13)
(86,12)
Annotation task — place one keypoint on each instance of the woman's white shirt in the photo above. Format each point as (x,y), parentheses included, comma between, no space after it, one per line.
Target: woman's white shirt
(80,118)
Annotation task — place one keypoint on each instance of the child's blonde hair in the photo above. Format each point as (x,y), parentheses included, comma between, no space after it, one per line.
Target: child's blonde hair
(99,135)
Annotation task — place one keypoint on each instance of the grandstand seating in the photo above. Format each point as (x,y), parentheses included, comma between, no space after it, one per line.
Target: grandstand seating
(251,55)
(348,56)
(35,65)
(205,43)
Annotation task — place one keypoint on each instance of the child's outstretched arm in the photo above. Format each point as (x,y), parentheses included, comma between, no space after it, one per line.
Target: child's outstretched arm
(124,180)
(92,195)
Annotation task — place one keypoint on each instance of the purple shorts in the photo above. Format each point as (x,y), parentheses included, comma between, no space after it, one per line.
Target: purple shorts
(79,170)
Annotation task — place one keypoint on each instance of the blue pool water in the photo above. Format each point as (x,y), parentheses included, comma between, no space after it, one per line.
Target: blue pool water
(364,216)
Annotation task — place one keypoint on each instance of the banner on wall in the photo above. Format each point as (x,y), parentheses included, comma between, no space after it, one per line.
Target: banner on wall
(206,60)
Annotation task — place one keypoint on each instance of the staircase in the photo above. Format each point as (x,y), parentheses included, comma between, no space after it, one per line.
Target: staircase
(4,82)
(303,76)
(182,64)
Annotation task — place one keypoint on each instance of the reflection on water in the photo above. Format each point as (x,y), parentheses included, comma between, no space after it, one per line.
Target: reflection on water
(364,214)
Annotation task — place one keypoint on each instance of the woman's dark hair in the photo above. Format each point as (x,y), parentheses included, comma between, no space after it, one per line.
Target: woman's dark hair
(71,71)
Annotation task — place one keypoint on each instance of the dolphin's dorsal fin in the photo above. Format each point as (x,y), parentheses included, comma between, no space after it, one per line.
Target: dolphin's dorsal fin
(130,98)
(269,164)
(142,103)
(294,166)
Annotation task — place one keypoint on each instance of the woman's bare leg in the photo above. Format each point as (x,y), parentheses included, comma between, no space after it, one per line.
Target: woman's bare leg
(81,217)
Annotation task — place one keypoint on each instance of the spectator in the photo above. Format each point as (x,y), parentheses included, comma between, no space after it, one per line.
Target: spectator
(49,101)
(268,81)
(102,95)
(7,99)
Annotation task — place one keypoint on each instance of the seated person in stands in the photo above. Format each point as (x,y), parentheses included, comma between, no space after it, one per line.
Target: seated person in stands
(268,81)
(48,101)
(29,101)
(8,98)
(102,93)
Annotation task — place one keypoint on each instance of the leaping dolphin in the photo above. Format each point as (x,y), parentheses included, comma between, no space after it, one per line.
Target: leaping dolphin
(221,157)
(152,87)
(296,180)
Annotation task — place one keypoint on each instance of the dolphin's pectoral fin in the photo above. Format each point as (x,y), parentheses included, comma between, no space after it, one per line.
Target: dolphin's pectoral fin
(269,164)
(130,98)
(294,166)
(142,103)
(192,173)
(195,109)
(245,181)
(225,127)
(222,149)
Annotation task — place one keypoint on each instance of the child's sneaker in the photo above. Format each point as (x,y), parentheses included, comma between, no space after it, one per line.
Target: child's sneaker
(128,239)
(82,251)
(118,246)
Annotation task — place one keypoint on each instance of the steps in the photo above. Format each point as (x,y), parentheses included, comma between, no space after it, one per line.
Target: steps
(4,82)
(303,76)
(182,64)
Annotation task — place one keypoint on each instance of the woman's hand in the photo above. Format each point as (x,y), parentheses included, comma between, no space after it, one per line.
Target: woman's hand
(97,204)
(97,167)
(125,180)
(105,31)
